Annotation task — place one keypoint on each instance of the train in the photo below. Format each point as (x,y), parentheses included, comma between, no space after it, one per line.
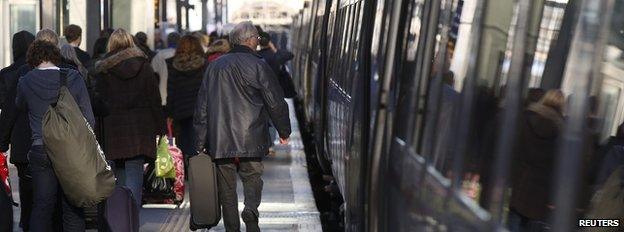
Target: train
(411,105)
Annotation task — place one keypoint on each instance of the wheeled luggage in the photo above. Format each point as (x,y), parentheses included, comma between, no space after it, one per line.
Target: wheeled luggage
(204,198)
(122,213)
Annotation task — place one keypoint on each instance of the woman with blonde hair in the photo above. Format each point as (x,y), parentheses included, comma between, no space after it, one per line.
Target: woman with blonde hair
(536,150)
(127,86)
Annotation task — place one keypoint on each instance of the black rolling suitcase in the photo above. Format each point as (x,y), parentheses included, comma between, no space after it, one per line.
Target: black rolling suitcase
(203,193)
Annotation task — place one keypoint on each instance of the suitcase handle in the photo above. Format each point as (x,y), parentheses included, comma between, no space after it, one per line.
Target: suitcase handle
(170,131)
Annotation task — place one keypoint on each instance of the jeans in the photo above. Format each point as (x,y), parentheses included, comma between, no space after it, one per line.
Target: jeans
(129,173)
(519,223)
(272,134)
(46,193)
(25,194)
(250,172)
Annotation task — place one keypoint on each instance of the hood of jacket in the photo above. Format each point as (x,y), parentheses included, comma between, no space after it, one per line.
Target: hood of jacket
(219,46)
(125,64)
(545,121)
(45,84)
(187,63)
(21,42)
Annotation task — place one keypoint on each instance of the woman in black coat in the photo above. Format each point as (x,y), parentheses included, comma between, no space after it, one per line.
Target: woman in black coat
(186,70)
(127,86)
(534,162)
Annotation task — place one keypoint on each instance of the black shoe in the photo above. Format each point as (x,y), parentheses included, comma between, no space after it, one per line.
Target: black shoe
(251,220)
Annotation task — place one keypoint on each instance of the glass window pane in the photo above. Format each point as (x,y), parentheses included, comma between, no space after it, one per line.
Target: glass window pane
(22,17)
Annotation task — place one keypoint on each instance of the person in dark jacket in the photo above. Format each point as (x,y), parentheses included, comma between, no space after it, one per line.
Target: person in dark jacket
(14,127)
(35,92)
(238,97)
(277,60)
(127,85)
(534,162)
(73,34)
(140,39)
(186,69)
(51,37)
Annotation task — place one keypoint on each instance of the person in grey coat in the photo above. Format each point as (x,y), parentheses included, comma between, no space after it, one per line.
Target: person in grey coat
(238,97)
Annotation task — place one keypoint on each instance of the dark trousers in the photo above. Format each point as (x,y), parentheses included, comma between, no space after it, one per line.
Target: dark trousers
(25,194)
(250,172)
(46,194)
(185,139)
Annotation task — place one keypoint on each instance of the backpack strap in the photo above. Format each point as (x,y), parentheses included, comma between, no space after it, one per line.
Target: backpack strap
(63,76)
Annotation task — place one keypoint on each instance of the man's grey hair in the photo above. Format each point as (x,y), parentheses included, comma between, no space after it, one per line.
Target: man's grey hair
(48,35)
(242,32)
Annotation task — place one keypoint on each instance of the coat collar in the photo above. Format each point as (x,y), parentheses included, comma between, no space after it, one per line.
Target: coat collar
(114,59)
(244,49)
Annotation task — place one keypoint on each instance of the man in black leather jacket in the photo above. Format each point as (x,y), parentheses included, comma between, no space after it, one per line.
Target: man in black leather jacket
(238,97)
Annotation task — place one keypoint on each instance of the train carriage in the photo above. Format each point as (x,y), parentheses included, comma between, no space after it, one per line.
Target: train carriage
(412,105)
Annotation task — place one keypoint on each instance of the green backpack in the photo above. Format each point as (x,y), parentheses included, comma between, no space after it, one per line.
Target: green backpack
(77,159)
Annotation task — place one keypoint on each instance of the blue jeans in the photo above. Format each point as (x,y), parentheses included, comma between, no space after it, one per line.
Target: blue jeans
(46,194)
(129,173)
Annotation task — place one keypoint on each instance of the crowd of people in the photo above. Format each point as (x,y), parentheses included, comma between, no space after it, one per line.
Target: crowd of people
(222,94)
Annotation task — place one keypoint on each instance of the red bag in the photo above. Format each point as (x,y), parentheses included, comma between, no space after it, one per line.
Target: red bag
(4,173)
(178,163)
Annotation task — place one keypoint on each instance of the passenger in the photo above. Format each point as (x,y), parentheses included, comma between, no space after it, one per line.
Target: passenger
(99,108)
(70,57)
(126,83)
(99,49)
(159,64)
(238,98)
(534,162)
(73,34)
(186,70)
(203,39)
(141,42)
(217,49)
(277,60)
(14,127)
(36,91)
(51,37)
